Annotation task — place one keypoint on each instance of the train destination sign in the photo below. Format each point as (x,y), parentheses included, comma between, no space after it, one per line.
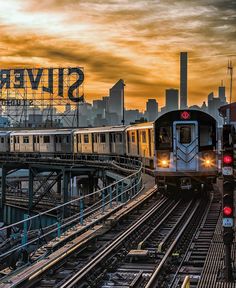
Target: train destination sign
(60,81)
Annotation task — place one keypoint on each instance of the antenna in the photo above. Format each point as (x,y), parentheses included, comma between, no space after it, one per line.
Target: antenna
(230,72)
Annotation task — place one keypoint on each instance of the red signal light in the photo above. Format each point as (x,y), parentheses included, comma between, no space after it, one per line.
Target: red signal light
(228,159)
(227,210)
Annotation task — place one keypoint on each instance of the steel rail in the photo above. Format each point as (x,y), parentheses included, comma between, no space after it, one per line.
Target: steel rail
(101,256)
(152,281)
(204,217)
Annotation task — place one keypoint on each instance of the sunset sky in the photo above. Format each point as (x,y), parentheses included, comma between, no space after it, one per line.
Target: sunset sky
(138,41)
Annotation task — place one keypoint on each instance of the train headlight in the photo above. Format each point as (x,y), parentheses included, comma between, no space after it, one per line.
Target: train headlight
(208,160)
(163,159)
(164,163)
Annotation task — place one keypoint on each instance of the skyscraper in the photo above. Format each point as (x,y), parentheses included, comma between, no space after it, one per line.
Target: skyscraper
(116,99)
(152,109)
(183,79)
(221,93)
(172,99)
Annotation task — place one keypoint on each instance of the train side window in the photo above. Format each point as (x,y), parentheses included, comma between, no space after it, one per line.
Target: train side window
(165,137)
(133,137)
(185,135)
(46,139)
(2,139)
(144,140)
(67,139)
(26,139)
(86,138)
(102,138)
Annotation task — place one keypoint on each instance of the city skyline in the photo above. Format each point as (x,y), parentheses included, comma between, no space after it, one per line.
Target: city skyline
(136,41)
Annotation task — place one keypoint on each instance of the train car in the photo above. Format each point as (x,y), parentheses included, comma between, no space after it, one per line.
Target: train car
(5,141)
(185,151)
(42,141)
(140,139)
(100,140)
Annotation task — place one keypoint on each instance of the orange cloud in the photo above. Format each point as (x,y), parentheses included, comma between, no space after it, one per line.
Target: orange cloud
(137,41)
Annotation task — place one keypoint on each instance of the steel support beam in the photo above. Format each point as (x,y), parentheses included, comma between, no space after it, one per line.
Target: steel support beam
(65,191)
(31,188)
(3,194)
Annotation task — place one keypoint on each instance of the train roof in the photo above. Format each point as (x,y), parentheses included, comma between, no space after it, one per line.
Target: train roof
(42,132)
(4,133)
(145,125)
(185,115)
(100,129)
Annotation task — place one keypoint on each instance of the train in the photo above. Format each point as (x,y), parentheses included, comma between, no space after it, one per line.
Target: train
(180,147)
(186,152)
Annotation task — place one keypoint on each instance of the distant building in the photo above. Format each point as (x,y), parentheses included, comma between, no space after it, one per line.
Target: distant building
(214,103)
(228,112)
(151,109)
(132,115)
(116,100)
(163,110)
(222,94)
(172,99)
(101,106)
(195,107)
(183,80)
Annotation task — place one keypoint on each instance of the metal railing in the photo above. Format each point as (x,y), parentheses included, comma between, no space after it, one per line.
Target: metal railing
(109,198)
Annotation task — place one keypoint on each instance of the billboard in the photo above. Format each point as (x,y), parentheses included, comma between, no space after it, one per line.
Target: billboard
(55,93)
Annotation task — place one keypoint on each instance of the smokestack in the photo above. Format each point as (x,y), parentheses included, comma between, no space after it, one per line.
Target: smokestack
(183,79)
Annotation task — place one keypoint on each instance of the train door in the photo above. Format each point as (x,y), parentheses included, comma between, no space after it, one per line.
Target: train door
(36,147)
(186,145)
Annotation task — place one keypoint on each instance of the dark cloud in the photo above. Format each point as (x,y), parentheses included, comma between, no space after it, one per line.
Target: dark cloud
(140,42)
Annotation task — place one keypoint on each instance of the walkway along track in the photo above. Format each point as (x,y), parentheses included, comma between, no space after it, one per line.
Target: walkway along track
(118,255)
(192,263)
(129,213)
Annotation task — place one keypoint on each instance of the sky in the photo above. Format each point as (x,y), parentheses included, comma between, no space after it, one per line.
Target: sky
(135,40)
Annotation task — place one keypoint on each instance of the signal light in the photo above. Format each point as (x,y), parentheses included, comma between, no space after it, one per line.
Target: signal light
(228,159)
(227,211)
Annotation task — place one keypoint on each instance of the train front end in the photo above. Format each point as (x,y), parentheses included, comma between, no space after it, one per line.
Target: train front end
(185,152)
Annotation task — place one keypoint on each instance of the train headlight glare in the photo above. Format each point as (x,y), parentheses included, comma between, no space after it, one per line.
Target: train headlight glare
(164,163)
(208,162)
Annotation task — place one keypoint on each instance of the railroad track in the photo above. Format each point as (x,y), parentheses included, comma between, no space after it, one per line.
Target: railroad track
(193,261)
(130,214)
(138,257)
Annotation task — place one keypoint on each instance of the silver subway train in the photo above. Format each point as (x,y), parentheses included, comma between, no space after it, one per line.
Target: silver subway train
(180,146)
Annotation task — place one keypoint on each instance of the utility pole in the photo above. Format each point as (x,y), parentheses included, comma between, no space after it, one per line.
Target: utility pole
(230,71)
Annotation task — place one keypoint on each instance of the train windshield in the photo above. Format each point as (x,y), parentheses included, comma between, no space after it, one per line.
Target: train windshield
(165,137)
(185,134)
